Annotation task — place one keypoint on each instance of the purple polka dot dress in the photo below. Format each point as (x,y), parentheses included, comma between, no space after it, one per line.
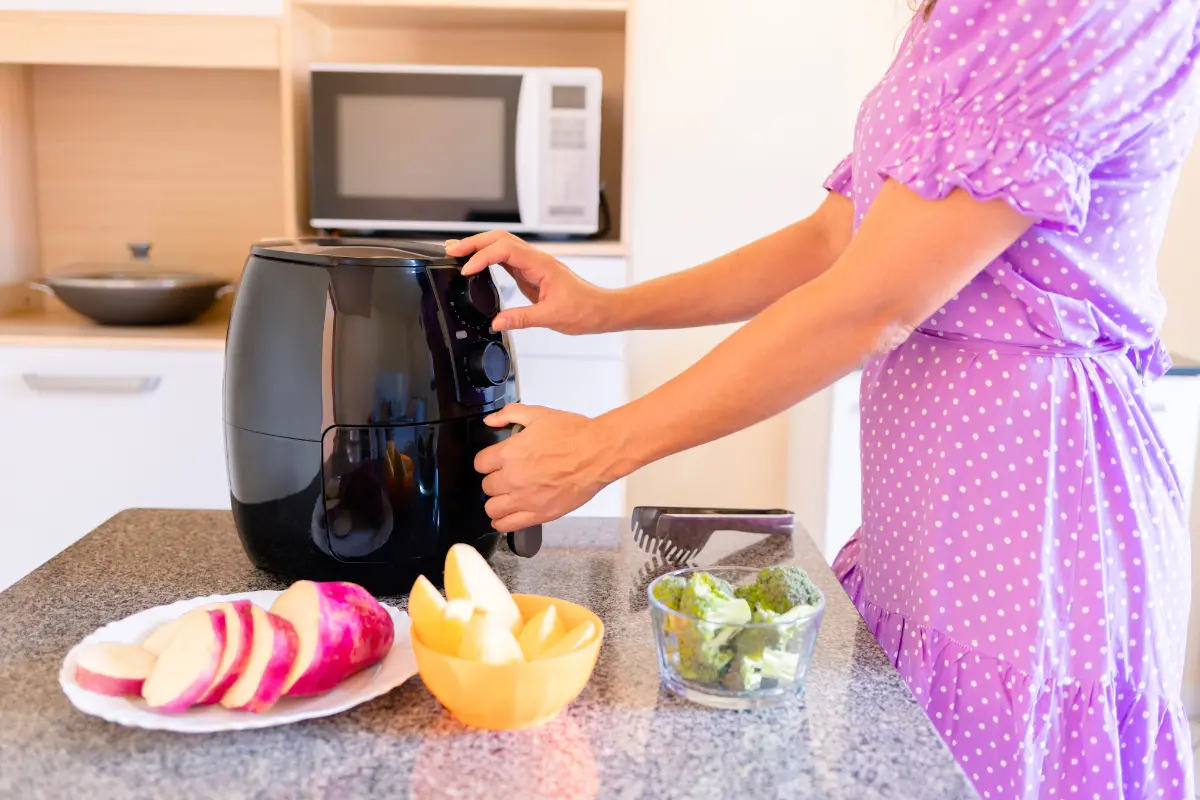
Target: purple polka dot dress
(1024,555)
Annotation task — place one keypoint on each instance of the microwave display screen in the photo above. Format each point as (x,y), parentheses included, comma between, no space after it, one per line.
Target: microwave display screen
(460,142)
(568,97)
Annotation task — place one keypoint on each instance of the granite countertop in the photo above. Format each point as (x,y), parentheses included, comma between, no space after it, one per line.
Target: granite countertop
(854,733)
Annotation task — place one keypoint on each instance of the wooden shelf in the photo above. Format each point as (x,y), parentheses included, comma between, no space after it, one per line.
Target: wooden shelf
(139,40)
(504,14)
(596,249)
(56,326)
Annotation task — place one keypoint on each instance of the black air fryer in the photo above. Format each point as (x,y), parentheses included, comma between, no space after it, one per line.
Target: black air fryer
(357,376)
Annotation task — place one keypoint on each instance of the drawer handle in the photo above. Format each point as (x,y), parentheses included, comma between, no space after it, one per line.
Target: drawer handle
(113,384)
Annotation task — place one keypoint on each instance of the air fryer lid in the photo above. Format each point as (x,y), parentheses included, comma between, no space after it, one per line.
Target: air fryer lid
(331,251)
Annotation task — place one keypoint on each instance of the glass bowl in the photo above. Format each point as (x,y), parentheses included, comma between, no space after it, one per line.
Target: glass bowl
(733,666)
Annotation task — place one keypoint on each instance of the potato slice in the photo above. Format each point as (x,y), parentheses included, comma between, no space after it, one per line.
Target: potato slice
(488,641)
(541,632)
(468,577)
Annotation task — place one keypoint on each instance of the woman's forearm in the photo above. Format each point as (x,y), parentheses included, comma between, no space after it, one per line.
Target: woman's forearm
(740,284)
(905,262)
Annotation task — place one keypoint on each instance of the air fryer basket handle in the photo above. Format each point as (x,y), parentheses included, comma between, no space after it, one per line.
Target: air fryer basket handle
(527,541)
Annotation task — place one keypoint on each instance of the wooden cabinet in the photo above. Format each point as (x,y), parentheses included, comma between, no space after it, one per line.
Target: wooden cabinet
(88,433)
(233,8)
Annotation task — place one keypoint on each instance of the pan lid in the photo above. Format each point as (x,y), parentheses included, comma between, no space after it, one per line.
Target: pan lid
(333,251)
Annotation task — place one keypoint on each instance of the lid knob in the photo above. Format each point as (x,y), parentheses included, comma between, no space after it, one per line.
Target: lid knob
(139,250)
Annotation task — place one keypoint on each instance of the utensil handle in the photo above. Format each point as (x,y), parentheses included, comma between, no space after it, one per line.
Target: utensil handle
(109,384)
(228,288)
(38,286)
(770,521)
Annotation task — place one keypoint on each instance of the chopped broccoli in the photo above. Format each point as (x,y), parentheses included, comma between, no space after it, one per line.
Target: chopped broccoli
(780,589)
(779,665)
(668,589)
(744,674)
(702,651)
(712,600)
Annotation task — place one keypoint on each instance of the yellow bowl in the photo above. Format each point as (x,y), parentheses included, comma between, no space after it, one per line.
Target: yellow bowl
(509,697)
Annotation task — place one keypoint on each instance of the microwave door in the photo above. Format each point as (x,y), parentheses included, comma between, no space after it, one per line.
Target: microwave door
(418,151)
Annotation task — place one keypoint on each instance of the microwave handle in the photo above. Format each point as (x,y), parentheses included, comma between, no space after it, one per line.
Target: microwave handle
(527,155)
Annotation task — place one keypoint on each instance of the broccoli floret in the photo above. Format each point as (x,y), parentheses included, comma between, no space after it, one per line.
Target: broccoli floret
(745,673)
(668,589)
(748,593)
(712,600)
(705,643)
(779,665)
(703,653)
(780,589)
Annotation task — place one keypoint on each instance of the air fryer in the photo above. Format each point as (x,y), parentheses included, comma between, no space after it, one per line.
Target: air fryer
(357,377)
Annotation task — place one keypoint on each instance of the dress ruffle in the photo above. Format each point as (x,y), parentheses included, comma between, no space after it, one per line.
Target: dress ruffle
(841,179)
(1041,180)
(1069,738)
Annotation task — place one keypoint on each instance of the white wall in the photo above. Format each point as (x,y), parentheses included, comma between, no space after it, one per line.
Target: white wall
(740,110)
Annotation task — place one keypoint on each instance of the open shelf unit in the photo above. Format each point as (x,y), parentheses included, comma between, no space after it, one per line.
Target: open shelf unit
(190,131)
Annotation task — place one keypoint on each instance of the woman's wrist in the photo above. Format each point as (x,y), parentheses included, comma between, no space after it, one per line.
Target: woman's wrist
(626,446)
(612,311)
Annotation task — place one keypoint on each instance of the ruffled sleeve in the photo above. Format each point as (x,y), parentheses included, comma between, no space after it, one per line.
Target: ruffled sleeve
(1028,105)
(841,178)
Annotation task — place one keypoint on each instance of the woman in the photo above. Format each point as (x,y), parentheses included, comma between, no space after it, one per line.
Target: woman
(988,250)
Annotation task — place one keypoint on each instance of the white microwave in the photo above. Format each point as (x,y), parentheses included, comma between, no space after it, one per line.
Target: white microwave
(400,148)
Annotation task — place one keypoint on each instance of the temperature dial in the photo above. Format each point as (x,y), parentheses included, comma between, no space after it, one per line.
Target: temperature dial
(477,298)
(488,365)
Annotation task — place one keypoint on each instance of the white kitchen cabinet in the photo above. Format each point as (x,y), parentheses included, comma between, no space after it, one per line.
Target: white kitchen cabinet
(234,8)
(91,432)
(1174,402)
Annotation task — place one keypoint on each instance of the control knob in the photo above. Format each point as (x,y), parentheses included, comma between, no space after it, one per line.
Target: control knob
(477,298)
(488,365)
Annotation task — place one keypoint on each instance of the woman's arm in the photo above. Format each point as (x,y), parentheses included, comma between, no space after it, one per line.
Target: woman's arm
(740,284)
(908,258)
(731,288)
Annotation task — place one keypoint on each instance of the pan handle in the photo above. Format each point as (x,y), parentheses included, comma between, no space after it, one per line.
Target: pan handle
(228,288)
(38,286)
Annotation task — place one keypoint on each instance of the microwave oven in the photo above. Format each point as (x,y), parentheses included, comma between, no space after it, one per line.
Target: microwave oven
(455,149)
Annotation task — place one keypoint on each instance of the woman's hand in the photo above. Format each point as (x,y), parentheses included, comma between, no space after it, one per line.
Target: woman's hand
(554,465)
(562,301)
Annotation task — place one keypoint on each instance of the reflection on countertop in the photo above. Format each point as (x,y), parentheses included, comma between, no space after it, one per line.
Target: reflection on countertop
(854,733)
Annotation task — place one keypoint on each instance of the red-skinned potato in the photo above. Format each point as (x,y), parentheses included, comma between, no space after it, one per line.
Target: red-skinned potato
(271,658)
(111,668)
(188,665)
(239,630)
(341,629)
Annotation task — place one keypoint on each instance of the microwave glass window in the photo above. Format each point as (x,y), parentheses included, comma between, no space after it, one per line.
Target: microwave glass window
(460,142)
(568,97)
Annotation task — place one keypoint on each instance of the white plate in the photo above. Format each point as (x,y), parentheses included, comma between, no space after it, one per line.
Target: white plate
(398,666)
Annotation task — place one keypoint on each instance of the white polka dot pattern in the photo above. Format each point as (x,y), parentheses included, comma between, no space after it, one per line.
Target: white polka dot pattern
(1024,558)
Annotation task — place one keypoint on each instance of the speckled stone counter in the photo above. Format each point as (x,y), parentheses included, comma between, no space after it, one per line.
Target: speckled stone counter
(855,732)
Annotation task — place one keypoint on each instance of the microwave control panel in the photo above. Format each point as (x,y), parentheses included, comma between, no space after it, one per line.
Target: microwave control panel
(571,191)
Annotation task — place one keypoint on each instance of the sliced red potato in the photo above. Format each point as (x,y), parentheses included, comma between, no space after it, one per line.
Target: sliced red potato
(272,655)
(161,636)
(114,669)
(341,628)
(188,665)
(239,629)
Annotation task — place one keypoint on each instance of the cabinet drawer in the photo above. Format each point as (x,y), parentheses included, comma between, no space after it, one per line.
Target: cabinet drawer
(92,432)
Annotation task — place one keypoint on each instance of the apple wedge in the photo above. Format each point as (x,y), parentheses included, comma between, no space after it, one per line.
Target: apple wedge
(489,641)
(114,669)
(570,641)
(425,606)
(541,632)
(239,630)
(341,629)
(188,665)
(468,577)
(272,654)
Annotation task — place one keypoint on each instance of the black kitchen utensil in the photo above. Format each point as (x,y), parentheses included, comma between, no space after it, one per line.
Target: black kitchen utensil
(678,534)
